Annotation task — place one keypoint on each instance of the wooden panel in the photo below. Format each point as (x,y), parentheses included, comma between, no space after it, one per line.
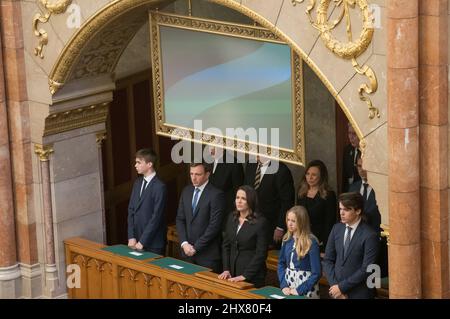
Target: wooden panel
(94,278)
(127,283)
(148,287)
(107,291)
(114,276)
(82,292)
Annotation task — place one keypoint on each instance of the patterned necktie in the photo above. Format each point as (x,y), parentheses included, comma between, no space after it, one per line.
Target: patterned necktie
(144,185)
(347,239)
(257,176)
(195,200)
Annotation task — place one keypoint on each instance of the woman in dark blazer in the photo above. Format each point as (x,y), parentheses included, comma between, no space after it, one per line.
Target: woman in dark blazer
(319,200)
(245,241)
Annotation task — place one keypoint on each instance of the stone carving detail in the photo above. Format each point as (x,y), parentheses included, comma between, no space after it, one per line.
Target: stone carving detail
(104,51)
(47,8)
(182,291)
(92,31)
(353,48)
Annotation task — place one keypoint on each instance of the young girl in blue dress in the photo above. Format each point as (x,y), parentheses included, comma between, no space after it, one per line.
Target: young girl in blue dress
(299,267)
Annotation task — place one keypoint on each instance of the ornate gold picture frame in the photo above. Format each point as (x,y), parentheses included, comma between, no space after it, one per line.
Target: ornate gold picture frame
(294,154)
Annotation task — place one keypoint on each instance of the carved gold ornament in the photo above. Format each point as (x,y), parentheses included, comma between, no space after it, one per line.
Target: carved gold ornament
(43,151)
(353,48)
(47,8)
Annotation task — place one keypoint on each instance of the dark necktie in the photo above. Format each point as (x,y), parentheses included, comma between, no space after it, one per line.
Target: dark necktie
(257,176)
(143,187)
(347,239)
(365,191)
(195,200)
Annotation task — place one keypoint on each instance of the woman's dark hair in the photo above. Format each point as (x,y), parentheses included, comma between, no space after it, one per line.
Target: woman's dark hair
(252,202)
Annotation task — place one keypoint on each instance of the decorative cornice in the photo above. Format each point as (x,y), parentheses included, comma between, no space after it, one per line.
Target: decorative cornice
(43,151)
(352,49)
(46,10)
(77,118)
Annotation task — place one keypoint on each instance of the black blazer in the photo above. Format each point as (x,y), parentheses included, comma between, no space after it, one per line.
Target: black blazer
(276,194)
(349,168)
(322,215)
(245,253)
(350,272)
(371,211)
(146,215)
(228,177)
(203,230)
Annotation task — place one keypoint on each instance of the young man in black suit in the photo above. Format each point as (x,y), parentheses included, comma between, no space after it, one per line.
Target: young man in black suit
(199,219)
(352,246)
(147,227)
(274,185)
(351,154)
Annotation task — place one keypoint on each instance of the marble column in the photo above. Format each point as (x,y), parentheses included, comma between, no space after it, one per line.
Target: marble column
(9,269)
(51,280)
(433,97)
(403,139)
(99,138)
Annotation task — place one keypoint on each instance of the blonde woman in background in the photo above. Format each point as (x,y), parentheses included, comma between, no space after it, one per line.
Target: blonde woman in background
(299,267)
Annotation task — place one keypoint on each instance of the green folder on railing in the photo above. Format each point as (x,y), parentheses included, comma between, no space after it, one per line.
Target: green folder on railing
(177,265)
(123,250)
(274,293)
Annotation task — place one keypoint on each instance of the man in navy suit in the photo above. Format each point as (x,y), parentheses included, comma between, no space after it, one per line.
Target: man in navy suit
(146,220)
(371,212)
(351,247)
(199,219)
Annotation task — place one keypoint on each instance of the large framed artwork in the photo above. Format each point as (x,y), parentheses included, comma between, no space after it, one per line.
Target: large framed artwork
(236,86)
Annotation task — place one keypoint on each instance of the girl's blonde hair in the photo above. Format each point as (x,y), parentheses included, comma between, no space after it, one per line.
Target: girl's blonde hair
(303,234)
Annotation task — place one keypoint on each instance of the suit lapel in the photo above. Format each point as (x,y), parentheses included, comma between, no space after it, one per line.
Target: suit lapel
(200,201)
(355,239)
(145,191)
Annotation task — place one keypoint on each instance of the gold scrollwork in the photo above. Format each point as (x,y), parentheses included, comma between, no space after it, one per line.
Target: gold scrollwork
(46,8)
(352,49)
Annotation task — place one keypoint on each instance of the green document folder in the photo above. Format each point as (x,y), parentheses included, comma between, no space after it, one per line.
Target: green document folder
(123,250)
(272,293)
(177,265)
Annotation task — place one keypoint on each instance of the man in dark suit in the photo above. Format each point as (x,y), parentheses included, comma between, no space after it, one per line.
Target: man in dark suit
(227,175)
(371,212)
(351,155)
(274,185)
(146,221)
(199,219)
(352,246)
